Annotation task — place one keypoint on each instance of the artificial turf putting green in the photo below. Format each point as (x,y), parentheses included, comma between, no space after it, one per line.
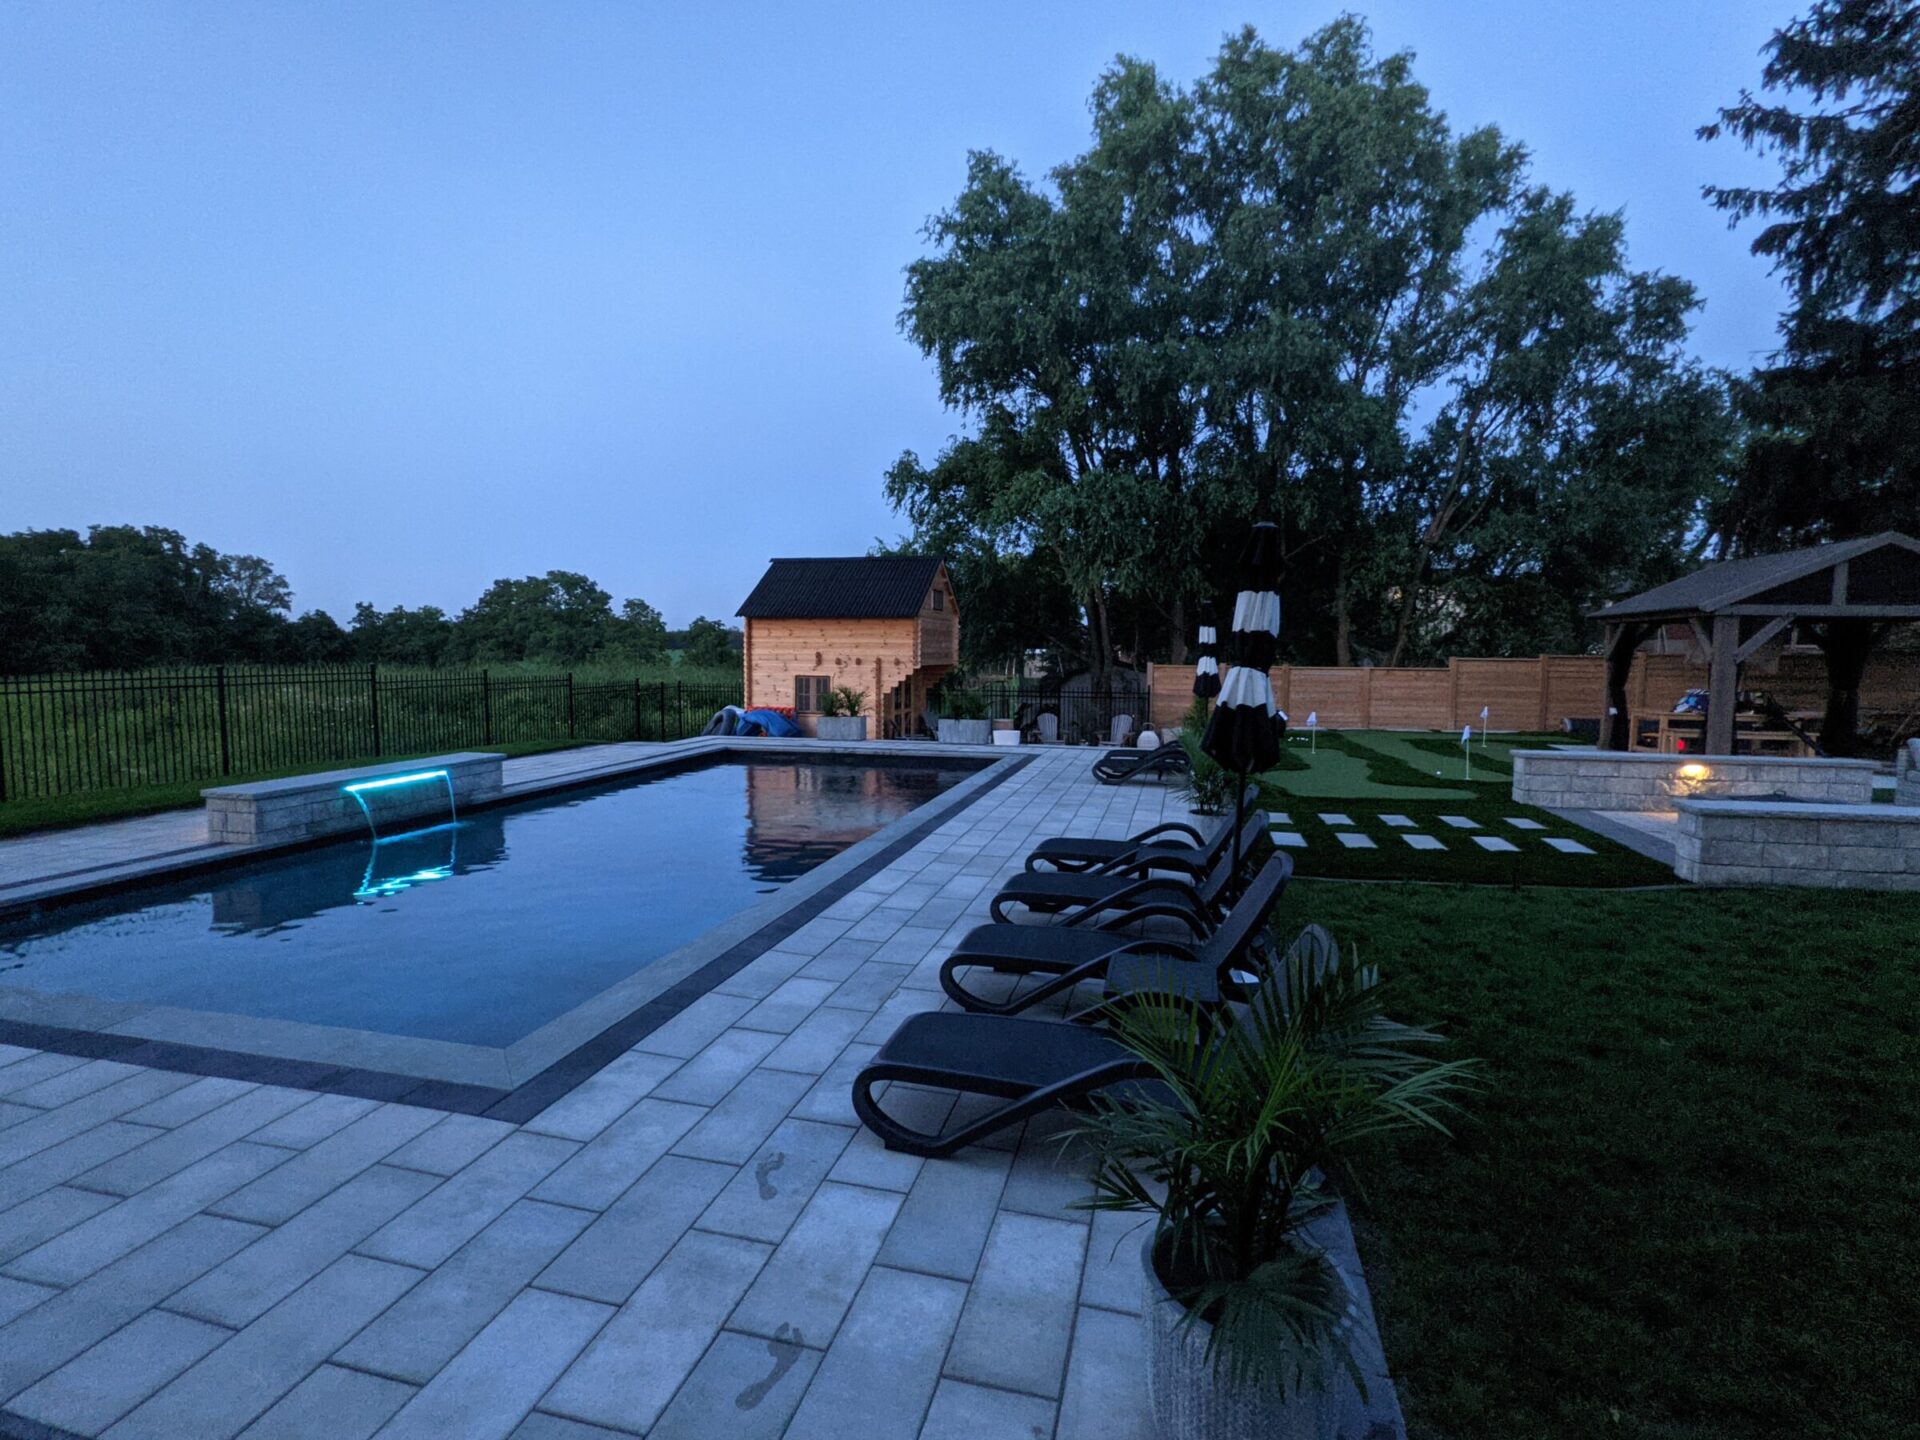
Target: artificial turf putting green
(1683,1209)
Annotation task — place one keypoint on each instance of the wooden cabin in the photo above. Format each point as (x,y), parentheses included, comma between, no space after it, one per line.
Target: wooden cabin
(883,624)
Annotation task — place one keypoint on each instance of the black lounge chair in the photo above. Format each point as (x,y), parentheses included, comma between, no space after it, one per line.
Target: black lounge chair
(1129,882)
(1116,767)
(1200,972)
(1032,1065)
(1075,853)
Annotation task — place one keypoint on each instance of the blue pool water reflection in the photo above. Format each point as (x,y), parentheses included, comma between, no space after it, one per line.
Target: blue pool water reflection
(480,931)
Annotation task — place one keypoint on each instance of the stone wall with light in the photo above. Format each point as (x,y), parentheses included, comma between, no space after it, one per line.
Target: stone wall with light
(309,807)
(1623,780)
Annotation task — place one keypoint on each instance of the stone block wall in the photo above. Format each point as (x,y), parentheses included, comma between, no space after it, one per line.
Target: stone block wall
(1735,842)
(310,807)
(1907,773)
(1623,780)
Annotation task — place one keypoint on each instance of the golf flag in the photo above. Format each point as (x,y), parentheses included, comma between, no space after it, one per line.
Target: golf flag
(1313,717)
(1483,716)
(1466,735)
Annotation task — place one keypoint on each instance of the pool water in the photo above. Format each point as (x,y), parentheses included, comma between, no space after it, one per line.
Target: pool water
(479,931)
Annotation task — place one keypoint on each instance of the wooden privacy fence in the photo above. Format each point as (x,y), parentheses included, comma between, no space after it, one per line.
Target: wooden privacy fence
(1529,694)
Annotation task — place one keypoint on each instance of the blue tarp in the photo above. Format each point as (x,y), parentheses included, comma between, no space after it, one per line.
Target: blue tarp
(773,723)
(732,720)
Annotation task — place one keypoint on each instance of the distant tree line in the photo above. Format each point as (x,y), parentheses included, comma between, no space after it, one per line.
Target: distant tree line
(127,597)
(1294,292)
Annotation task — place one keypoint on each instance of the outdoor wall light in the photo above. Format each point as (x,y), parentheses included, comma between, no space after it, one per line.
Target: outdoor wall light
(1694,772)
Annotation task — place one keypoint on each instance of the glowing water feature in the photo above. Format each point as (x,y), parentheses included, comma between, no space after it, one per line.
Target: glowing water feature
(360,788)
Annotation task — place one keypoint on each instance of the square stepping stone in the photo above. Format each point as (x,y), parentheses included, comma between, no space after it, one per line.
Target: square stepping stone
(1423,842)
(1336,820)
(1279,817)
(1568,847)
(1292,839)
(1520,822)
(1354,840)
(1459,822)
(1399,822)
(1494,842)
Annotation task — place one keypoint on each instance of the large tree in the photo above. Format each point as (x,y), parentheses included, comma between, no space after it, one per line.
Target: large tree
(1836,449)
(1293,292)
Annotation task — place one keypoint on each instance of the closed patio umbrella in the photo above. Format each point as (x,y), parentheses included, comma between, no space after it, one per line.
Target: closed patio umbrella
(1206,664)
(1241,734)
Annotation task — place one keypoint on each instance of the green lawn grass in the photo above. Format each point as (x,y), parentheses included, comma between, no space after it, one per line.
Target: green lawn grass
(62,812)
(1684,1208)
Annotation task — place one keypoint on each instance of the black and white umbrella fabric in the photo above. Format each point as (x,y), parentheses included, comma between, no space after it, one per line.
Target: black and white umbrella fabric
(1241,734)
(1206,665)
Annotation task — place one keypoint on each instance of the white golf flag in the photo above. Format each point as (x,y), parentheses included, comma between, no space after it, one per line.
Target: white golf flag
(1483,714)
(1466,734)
(1313,717)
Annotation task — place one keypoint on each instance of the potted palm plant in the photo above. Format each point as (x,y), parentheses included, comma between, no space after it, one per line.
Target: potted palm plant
(840,715)
(963,718)
(1250,1324)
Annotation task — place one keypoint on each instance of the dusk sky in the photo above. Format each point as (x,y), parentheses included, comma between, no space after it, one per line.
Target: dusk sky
(407,298)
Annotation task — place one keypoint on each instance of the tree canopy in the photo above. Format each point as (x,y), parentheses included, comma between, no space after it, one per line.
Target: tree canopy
(126,597)
(1836,448)
(1293,291)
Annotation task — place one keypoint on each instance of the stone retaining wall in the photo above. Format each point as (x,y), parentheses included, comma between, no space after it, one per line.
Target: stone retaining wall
(1907,771)
(306,807)
(1747,842)
(1624,780)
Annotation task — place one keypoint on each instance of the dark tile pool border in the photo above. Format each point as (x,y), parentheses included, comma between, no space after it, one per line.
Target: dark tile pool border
(525,1101)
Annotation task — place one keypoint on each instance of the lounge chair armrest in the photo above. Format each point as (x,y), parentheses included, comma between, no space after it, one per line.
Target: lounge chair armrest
(1169,828)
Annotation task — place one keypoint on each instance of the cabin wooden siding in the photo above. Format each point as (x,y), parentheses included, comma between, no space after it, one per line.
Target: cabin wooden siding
(869,655)
(939,637)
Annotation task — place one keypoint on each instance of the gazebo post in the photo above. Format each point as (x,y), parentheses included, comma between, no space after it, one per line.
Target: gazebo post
(1723,684)
(1623,638)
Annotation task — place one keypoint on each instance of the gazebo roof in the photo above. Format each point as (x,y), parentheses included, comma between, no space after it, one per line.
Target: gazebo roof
(1874,577)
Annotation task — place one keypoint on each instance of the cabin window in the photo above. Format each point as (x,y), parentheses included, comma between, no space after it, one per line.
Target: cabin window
(810,693)
(939,599)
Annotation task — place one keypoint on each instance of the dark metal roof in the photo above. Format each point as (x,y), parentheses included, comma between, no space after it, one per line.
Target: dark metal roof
(857,587)
(1735,583)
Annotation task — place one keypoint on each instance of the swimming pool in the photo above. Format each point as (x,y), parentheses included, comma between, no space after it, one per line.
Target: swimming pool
(475,934)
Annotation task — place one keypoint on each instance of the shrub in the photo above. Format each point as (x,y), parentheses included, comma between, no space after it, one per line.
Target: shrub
(843,700)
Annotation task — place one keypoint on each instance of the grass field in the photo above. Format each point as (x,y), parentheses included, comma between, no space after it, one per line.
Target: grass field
(1684,1207)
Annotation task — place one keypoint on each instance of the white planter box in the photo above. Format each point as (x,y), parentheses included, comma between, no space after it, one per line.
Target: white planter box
(1006,737)
(841,727)
(966,732)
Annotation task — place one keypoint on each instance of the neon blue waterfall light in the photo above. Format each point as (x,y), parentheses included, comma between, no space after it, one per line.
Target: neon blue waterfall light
(388,782)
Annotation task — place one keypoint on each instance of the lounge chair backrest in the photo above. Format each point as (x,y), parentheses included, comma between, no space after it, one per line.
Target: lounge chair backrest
(1219,874)
(1048,725)
(1121,728)
(1250,912)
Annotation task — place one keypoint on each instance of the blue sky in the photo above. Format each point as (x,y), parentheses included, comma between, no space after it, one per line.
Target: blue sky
(406,298)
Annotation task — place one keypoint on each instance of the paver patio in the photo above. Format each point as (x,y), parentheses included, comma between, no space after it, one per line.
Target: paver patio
(698,1241)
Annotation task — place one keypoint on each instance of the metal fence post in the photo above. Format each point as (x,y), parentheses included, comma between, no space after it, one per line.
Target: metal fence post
(486,707)
(660,695)
(569,704)
(220,696)
(636,707)
(373,692)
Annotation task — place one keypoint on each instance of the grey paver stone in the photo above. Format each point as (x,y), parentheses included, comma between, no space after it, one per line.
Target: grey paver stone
(793,1001)
(35,1068)
(1049,1173)
(590,1108)
(97,1242)
(768,1193)
(190,1101)
(737,1126)
(242,1289)
(840,959)
(708,1076)
(177,1149)
(50,1213)
(760,977)
(96,1388)
(19,1296)
(972,1412)
(446,1218)
(868,986)
(633,1367)
(816,1042)
(1112,1279)
(943,1227)
(1013,1332)
(451,1145)
(232,1386)
(491,1385)
(880,1372)
(1494,842)
(1423,842)
(64,1325)
(314,1173)
(745,1387)
(613,1160)
(688,1032)
(1353,840)
(314,1121)
(428,1325)
(805,1289)
(831,1096)
(866,1161)
(1568,847)
(47,1168)
(71,1085)
(616,1252)
(55,1127)
(331,1404)
(1459,822)
(541,1425)
(1106,1393)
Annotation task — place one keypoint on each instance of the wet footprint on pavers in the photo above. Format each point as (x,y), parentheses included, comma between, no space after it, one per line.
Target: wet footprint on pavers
(785,1349)
(763,1173)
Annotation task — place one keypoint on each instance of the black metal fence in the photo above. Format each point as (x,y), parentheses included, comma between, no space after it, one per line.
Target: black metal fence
(1085,716)
(62,734)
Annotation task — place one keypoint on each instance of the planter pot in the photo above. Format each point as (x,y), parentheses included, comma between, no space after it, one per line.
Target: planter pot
(1006,737)
(966,732)
(1191,1402)
(841,727)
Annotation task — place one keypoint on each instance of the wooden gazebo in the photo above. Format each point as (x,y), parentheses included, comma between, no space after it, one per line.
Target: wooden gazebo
(1849,592)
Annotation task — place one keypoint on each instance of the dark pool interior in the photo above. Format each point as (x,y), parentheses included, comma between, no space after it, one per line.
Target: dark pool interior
(482,930)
